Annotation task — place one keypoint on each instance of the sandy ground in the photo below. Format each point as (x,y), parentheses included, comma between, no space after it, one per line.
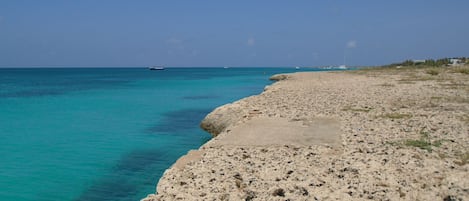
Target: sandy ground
(393,134)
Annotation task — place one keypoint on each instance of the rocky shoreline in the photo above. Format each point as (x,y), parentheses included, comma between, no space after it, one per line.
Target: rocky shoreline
(388,134)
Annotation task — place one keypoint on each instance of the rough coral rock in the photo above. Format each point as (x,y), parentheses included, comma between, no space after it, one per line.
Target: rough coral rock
(279,77)
(222,117)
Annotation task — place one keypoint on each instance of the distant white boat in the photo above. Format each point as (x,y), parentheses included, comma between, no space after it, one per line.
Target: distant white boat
(297,67)
(156,67)
(342,67)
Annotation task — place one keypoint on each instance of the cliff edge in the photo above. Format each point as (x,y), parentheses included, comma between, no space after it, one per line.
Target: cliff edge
(383,134)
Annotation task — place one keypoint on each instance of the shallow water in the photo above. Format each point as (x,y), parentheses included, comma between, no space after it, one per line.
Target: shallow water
(106,133)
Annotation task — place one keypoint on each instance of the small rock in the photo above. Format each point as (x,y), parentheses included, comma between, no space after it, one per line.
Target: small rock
(278,77)
(238,176)
(450,198)
(250,195)
(279,192)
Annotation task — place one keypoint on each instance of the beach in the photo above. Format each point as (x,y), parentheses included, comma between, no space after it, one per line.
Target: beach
(379,134)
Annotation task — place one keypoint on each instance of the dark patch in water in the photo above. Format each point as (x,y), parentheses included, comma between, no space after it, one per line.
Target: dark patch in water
(30,93)
(138,160)
(109,189)
(38,88)
(201,97)
(120,183)
(180,121)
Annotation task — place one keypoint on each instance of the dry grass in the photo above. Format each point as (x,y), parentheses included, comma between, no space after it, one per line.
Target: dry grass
(405,82)
(465,118)
(378,71)
(463,159)
(396,116)
(463,70)
(426,74)
(355,109)
(432,71)
(457,99)
(454,85)
(415,78)
(387,85)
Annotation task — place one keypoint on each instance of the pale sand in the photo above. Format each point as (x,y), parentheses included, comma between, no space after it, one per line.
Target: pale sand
(335,136)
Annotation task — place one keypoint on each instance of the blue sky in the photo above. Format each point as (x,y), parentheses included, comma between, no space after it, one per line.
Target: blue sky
(100,33)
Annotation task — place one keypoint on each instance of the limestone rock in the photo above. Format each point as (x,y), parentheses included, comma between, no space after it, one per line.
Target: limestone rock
(222,117)
(278,77)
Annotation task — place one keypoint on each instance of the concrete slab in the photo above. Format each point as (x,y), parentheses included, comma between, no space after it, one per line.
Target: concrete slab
(279,131)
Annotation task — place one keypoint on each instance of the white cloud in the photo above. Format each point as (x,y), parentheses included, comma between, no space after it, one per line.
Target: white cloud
(174,41)
(176,44)
(251,41)
(352,44)
(315,55)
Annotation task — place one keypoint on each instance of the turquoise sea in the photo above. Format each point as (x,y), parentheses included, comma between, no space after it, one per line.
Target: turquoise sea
(106,133)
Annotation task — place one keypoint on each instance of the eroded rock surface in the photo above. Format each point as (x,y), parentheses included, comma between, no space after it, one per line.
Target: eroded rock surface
(403,136)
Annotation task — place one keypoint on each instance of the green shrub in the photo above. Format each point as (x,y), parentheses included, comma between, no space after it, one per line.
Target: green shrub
(422,144)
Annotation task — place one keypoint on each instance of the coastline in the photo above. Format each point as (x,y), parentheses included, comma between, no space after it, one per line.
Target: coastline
(402,136)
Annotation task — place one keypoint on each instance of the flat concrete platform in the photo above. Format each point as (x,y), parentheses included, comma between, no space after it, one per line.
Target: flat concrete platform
(280,131)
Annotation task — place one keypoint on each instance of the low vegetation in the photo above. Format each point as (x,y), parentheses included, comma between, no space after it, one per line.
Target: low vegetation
(428,62)
(432,71)
(415,78)
(463,159)
(463,70)
(355,109)
(434,67)
(465,119)
(396,116)
(424,142)
(387,85)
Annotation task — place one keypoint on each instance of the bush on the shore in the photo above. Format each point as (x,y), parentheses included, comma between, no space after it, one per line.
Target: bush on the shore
(433,71)
(462,70)
(428,62)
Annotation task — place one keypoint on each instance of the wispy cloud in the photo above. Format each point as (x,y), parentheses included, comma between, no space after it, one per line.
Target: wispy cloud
(174,41)
(351,44)
(180,47)
(315,55)
(176,44)
(251,41)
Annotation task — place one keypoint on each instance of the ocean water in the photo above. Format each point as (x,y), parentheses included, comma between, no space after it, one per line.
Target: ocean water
(106,133)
